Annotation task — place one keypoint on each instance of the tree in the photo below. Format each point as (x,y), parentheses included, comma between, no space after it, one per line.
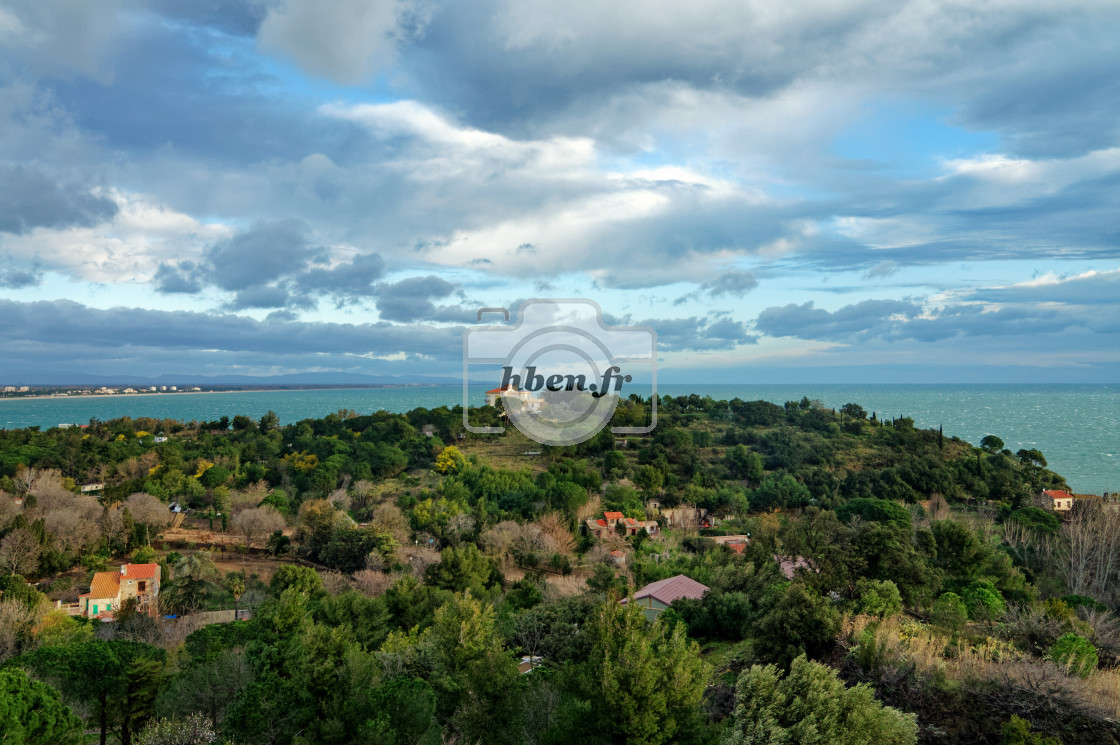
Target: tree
(649,479)
(117,680)
(193,729)
(780,491)
(234,583)
(269,422)
(743,463)
(949,612)
(991,443)
(648,680)
(812,706)
(984,601)
(801,622)
(303,579)
(194,575)
(854,411)
(19,552)
(148,511)
(879,598)
(1076,654)
(450,460)
(257,522)
(32,713)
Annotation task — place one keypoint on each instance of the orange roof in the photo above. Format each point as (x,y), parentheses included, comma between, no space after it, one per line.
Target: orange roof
(141,571)
(105,585)
(503,390)
(1057,494)
(602,522)
(613,515)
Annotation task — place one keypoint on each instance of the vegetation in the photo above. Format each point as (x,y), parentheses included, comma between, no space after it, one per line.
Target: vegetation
(897,586)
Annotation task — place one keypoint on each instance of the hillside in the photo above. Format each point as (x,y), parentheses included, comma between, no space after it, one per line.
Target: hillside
(397,568)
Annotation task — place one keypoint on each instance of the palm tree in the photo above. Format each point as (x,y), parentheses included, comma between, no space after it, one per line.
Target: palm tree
(235,584)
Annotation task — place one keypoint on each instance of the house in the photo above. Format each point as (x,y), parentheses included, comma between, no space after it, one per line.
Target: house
(737,543)
(790,564)
(657,596)
(689,517)
(527,399)
(1060,501)
(529,663)
(601,527)
(109,590)
(617,559)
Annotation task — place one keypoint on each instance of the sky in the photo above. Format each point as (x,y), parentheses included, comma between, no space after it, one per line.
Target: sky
(882,191)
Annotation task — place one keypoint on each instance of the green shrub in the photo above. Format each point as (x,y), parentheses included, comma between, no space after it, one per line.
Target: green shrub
(949,612)
(1076,654)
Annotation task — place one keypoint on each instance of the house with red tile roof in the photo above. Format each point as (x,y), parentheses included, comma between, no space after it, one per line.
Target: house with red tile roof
(1060,501)
(601,527)
(109,590)
(657,596)
(527,399)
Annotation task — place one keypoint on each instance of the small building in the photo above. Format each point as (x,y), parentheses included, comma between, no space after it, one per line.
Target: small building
(737,543)
(527,399)
(1060,501)
(601,527)
(109,590)
(689,517)
(657,596)
(790,564)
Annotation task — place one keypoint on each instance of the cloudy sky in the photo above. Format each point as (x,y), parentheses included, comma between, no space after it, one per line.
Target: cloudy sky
(862,190)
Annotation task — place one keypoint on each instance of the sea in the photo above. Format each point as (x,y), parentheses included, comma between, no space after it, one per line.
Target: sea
(1077,427)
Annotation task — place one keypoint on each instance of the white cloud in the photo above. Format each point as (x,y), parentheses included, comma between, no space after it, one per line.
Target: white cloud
(129,248)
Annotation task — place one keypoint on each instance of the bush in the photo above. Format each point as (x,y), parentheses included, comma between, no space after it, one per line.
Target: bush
(812,705)
(1076,654)
(879,598)
(983,601)
(949,612)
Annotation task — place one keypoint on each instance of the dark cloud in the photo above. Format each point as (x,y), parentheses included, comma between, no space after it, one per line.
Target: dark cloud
(898,320)
(805,321)
(411,300)
(691,334)
(266,252)
(62,324)
(729,283)
(265,296)
(237,17)
(350,280)
(15,279)
(180,278)
(30,199)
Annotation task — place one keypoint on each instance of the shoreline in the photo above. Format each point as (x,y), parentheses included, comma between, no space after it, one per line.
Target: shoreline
(99,396)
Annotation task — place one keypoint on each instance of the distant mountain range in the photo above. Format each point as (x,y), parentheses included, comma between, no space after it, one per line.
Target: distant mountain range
(57,378)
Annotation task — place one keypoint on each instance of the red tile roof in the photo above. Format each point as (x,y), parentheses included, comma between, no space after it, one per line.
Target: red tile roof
(602,522)
(141,571)
(105,585)
(503,390)
(674,588)
(1057,494)
(613,515)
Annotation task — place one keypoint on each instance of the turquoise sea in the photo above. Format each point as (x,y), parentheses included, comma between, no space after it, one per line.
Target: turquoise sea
(1077,427)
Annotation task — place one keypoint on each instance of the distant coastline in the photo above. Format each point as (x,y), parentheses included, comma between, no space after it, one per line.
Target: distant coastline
(265,389)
